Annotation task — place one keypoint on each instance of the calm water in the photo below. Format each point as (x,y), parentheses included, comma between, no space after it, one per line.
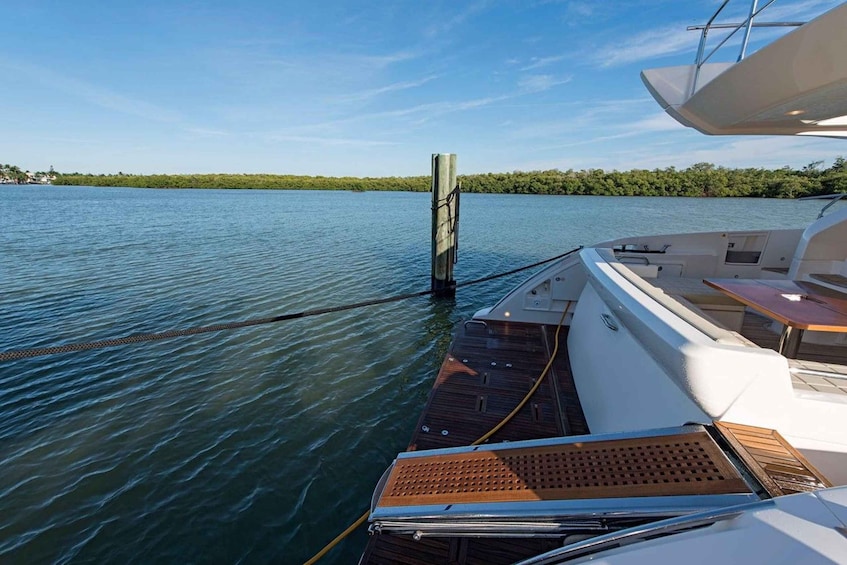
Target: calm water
(256,445)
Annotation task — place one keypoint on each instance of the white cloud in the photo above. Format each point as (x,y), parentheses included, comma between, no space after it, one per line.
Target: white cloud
(206,132)
(330,141)
(374,92)
(539,83)
(675,39)
(660,121)
(446,26)
(766,151)
(539,62)
(91,93)
(582,9)
(668,40)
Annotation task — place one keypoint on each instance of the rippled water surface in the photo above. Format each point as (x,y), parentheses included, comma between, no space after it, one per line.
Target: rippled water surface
(259,444)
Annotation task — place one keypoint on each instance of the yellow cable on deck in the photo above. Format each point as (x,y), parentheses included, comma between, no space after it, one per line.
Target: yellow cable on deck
(526,398)
(488,435)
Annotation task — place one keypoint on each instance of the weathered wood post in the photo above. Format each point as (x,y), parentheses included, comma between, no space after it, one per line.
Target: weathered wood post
(445,223)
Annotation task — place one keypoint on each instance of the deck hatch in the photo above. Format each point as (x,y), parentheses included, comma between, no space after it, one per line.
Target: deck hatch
(776,464)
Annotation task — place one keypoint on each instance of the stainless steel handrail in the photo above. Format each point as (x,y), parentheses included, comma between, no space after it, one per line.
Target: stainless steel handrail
(640,533)
(828,206)
(835,197)
(747,25)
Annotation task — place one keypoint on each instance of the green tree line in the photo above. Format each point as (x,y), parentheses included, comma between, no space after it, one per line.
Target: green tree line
(12,174)
(702,179)
(15,175)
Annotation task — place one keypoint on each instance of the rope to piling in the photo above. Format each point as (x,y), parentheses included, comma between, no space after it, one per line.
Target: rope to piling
(361,520)
(338,539)
(14,355)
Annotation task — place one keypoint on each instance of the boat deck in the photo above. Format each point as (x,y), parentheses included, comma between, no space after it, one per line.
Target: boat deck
(818,369)
(488,370)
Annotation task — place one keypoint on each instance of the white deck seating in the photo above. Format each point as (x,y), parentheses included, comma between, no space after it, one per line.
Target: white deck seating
(821,249)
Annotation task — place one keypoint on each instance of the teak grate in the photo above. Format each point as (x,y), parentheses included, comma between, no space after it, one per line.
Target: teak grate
(682,464)
(776,464)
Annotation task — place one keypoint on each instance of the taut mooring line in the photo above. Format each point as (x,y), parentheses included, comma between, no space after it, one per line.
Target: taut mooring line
(14,355)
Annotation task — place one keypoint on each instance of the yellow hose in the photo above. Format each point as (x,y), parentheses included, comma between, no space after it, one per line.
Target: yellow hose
(338,539)
(490,433)
(526,398)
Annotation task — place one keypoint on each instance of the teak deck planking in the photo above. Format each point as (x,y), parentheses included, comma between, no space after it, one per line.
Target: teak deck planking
(487,371)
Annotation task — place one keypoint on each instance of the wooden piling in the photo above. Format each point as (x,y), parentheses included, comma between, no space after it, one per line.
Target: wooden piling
(445,223)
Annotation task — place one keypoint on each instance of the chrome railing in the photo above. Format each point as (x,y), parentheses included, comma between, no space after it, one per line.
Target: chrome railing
(641,533)
(747,25)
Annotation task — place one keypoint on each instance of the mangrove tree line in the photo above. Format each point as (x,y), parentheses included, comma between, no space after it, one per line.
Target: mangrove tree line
(702,179)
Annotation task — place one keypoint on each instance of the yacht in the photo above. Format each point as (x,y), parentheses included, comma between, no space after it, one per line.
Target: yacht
(666,397)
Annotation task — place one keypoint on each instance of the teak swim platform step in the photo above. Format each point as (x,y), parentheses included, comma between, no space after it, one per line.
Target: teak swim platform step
(559,485)
(779,467)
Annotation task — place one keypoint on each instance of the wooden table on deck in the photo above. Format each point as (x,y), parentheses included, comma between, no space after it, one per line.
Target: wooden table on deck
(798,305)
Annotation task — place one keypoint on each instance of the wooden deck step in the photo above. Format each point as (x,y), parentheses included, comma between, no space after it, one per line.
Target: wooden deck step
(677,464)
(776,464)
(555,486)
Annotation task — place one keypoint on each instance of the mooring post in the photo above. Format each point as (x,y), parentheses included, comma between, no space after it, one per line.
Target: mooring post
(445,223)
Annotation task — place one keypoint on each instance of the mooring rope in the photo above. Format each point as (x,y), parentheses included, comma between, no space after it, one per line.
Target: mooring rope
(14,355)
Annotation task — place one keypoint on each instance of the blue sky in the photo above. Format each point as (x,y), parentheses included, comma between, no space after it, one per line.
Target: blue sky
(359,88)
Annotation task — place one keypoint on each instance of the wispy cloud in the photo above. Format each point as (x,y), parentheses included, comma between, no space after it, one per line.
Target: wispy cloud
(388,59)
(329,141)
(419,113)
(243,64)
(800,10)
(735,152)
(206,132)
(539,62)
(660,121)
(668,40)
(374,92)
(540,83)
(446,26)
(675,39)
(91,93)
(608,119)
(577,12)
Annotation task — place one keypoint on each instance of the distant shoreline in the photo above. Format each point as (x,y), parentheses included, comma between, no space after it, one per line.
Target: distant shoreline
(702,179)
